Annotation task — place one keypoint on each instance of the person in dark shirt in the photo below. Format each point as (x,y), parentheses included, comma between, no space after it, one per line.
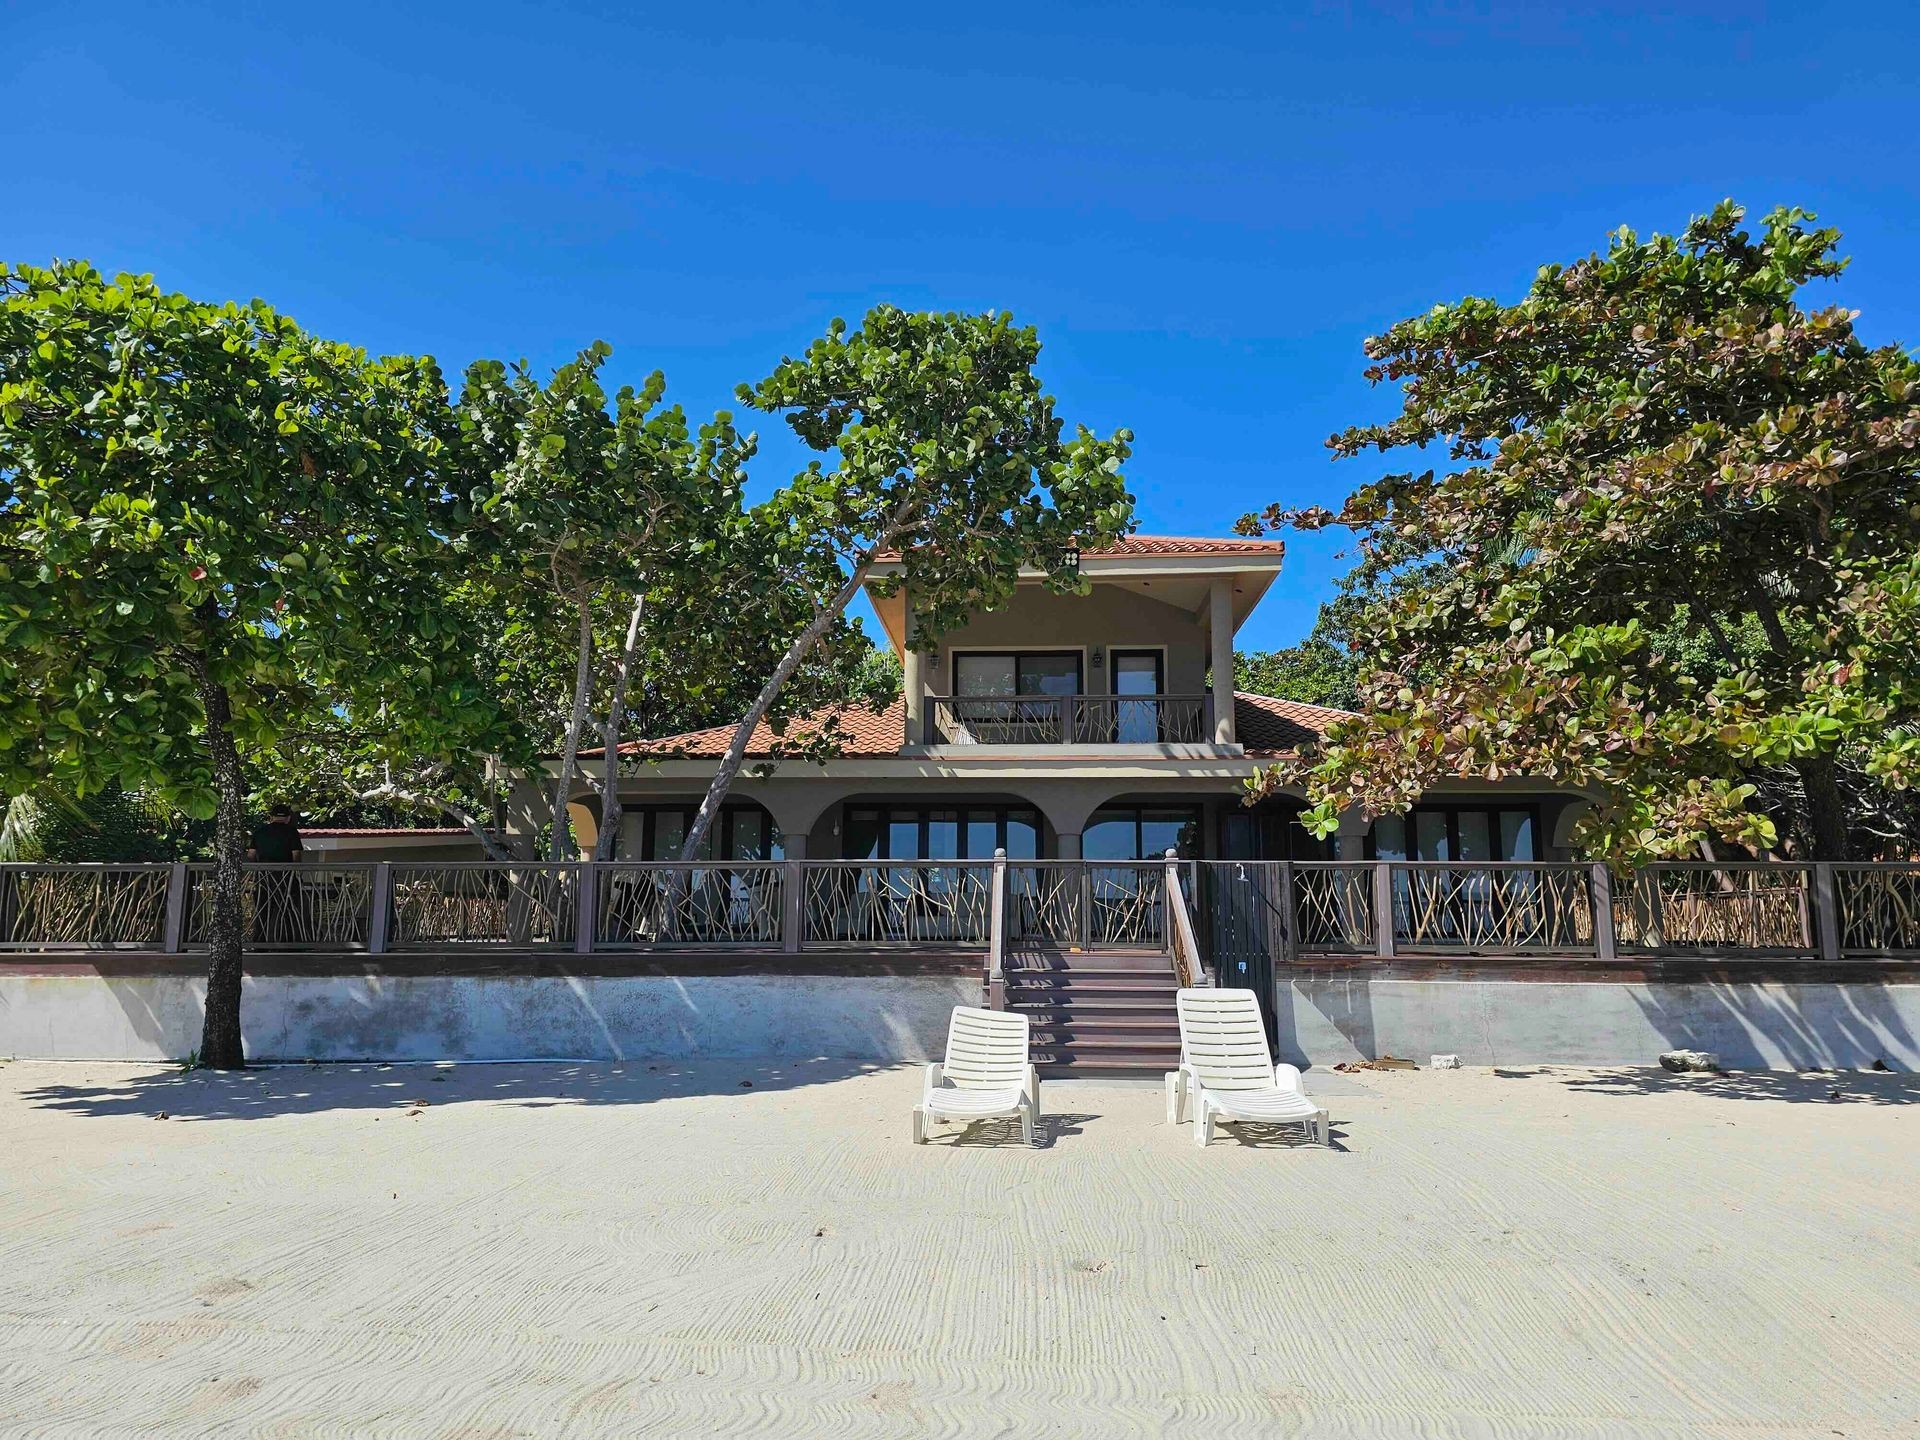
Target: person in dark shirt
(278,841)
(277,896)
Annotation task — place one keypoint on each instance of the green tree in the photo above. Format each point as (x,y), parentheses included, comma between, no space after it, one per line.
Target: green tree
(1674,553)
(946,451)
(1319,670)
(218,535)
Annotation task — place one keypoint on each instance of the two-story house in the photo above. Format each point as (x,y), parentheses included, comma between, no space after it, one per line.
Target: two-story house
(1102,726)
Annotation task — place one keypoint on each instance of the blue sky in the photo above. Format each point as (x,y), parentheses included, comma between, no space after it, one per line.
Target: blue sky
(1205,209)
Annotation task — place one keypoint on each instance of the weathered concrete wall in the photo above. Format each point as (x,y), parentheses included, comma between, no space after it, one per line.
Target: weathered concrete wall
(1323,1020)
(861,1017)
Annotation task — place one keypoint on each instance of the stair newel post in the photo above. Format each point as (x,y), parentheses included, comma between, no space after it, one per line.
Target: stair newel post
(1289,916)
(997,934)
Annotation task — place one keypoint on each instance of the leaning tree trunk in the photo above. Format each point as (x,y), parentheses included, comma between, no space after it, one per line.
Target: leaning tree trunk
(610,807)
(736,752)
(576,723)
(220,1043)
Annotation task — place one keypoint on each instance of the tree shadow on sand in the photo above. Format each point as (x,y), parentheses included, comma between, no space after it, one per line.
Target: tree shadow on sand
(1828,1087)
(269,1092)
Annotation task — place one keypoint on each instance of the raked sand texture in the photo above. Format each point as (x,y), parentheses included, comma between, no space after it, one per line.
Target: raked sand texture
(561,1250)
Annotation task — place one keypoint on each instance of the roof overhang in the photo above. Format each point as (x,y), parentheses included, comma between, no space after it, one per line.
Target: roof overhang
(1183,581)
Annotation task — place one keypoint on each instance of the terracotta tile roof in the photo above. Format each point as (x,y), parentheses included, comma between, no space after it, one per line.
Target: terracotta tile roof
(866,732)
(1174,545)
(1268,728)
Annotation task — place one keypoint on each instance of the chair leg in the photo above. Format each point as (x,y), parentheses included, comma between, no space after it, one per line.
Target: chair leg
(919,1126)
(1321,1127)
(1026,1124)
(1173,1097)
(1203,1125)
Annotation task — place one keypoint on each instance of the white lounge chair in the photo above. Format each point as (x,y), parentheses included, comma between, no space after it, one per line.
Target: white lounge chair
(1226,1071)
(986,1074)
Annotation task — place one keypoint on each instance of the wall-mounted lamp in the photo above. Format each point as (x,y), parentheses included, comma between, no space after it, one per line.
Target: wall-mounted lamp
(1099,658)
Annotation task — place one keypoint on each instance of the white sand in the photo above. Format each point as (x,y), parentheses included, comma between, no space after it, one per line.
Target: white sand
(599,1250)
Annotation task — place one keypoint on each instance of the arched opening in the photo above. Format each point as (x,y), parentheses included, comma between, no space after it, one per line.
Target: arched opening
(656,829)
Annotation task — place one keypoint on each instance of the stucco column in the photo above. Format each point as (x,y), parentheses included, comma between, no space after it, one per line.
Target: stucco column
(795,846)
(1350,841)
(1069,843)
(1220,631)
(913,682)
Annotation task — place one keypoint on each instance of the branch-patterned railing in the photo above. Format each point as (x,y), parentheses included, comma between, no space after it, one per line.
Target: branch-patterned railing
(455,904)
(1493,908)
(1069,719)
(1087,904)
(882,903)
(690,903)
(289,907)
(1255,912)
(1717,907)
(83,907)
(1876,908)
(1241,909)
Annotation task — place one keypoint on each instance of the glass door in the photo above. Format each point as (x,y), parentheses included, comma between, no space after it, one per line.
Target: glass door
(1138,673)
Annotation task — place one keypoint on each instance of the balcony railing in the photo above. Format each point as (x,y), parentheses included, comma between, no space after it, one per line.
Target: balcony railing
(1069,719)
(1272,912)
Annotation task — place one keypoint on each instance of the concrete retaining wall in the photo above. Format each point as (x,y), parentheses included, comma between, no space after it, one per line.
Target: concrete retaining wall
(1326,1019)
(858,1017)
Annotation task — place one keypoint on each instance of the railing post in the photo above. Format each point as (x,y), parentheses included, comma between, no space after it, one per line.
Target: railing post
(382,908)
(174,927)
(997,934)
(1826,908)
(1066,720)
(1606,944)
(1289,916)
(793,894)
(1383,909)
(587,903)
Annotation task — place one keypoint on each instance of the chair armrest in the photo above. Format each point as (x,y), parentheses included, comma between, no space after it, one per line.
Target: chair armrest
(1287,1077)
(934,1075)
(1033,1087)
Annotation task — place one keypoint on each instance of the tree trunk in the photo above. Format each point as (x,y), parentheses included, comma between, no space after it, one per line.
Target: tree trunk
(1826,808)
(610,808)
(743,733)
(221,1047)
(562,829)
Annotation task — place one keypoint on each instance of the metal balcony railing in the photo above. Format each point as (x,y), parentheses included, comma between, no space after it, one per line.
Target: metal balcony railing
(1069,719)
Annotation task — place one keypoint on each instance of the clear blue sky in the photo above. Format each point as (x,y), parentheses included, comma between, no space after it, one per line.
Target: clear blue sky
(1205,210)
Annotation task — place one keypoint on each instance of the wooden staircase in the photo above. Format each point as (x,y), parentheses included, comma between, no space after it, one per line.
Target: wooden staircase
(1101,1012)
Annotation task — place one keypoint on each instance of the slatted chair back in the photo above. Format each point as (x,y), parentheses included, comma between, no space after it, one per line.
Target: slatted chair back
(1223,1039)
(986,1049)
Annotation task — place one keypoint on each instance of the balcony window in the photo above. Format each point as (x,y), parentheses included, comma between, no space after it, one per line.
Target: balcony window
(1025,672)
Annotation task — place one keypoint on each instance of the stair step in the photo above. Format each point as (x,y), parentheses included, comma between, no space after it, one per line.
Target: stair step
(1092,1044)
(1093,980)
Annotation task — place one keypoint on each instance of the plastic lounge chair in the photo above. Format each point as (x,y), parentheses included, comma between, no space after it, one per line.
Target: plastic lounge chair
(1226,1071)
(986,1074)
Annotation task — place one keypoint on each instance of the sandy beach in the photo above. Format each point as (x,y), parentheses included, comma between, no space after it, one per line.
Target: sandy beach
(732,1249)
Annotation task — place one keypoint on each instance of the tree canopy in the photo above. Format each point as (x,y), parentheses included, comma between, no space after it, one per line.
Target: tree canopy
(946,450)
(219,535)
(1318,670)
(1670,558)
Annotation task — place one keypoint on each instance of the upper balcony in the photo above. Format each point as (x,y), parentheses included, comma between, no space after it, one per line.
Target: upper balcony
(1151,719)
(1142,659)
